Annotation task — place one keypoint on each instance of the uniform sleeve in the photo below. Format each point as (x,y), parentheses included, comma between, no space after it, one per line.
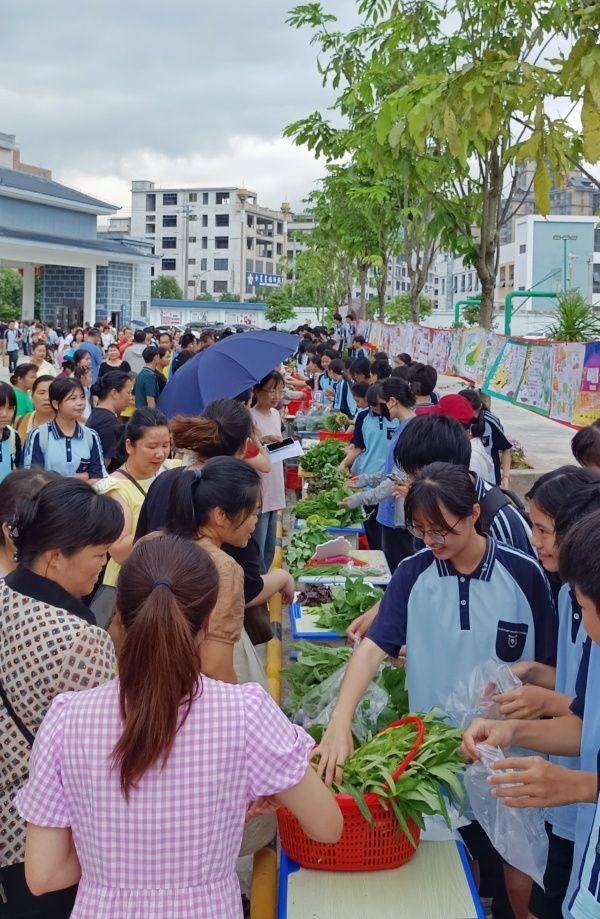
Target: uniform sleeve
(33,452)
(89,661)
(578,703)
(357,438)
(499,439)
(545,619)
(389,628)
(96,469)
(370,496)
(277,751)
(18,451)
(350,400)
(42,801)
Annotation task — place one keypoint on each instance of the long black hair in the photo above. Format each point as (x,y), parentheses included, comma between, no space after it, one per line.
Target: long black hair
(582,502)
(395,388)
(578,557)
(553,489)
(141,421)
(431,439)
(441,484)
(223,482)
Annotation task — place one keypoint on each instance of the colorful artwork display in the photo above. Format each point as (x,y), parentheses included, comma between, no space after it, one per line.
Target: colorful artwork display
(535,389)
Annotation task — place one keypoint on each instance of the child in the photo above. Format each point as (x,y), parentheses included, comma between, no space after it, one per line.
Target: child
(343,400)
(586,446)
(422,379)
(10,442)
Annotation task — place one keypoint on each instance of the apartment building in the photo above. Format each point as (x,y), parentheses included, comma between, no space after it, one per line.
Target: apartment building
(211,240)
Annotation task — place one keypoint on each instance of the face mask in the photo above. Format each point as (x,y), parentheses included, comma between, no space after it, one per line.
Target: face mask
(385,412)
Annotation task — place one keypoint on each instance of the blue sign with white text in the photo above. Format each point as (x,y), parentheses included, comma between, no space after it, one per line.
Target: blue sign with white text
(254,279)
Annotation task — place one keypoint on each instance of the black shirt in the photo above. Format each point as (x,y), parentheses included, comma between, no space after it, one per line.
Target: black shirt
(154,514)
(111,433)
(124,367)
(27,582)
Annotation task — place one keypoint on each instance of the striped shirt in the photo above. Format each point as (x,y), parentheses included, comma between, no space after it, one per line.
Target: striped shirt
(508,526)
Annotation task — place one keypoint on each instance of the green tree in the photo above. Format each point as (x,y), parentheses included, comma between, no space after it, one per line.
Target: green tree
(401,308)
(166,288)
(324,274)
(280,304)
(205,296)
(229,298)
(575,319)
(11,293)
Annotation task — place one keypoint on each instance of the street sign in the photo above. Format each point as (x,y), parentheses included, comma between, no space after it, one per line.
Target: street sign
(254,279)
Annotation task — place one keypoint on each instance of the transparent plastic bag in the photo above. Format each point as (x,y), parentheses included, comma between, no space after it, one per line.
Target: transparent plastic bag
(314,418)
(473,699)
(517,834)
(319,702)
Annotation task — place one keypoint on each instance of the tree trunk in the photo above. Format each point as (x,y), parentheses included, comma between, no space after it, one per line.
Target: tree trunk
(488,250)
(362,277)
(381,286)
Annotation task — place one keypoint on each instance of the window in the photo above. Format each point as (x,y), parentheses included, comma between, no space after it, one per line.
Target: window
(462,282)
(191,239)
(269,268)
(191,283)
(221,264)
(202,287)
(169,264)
(502,277)
(220,287)
(205,242)
(222,197)
(455,284)
(205,201)
(279,228)
(596,279)
(169,220)
(222,220)
(193,197)
(191,261)
(204,220)
(170,198)
(169,242)
(470,282)
(249,242)
(221,242)
(150,202)
(152,271)
(143,308)
(150,228)
(203,264)
(511,275)
(250,220)
(522,250)
(279,249)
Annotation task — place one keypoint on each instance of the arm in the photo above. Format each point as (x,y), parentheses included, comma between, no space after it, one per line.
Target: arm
(274,582)
(217,660)
(352,452)
(535,672)
(505,461)
(151,401)
(97,469)
(560,736)
(315,807)
(51,861)
(542,784)
(124,544)
(372,495)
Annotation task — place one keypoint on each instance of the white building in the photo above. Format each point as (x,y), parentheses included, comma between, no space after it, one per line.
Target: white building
(211,239)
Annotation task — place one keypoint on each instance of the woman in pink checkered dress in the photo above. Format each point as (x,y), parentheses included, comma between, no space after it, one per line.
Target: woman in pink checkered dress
(139,789)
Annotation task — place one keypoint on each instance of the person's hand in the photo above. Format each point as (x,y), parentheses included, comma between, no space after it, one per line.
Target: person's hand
(537,783)
(399,661)
(335,748)
(288,589)
(527,701)
(361,625)
(329,392)
(353,482)
(84,476)
(261,807)
(522,670)
(400,491)
(272,439)
(482,730)
(505,480)
(345,501)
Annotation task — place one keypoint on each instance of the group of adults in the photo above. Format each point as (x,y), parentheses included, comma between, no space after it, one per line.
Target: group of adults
(135,794)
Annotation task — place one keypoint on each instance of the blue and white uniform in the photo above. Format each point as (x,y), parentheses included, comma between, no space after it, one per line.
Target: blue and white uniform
(372,435)
(585,706)
(451,622)
(585,903)
(343,400)
(571,639)
(508,526)
(494,440)
(10,451)
(47,447)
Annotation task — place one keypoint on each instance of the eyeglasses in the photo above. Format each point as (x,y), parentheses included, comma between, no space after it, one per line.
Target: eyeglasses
(438,537)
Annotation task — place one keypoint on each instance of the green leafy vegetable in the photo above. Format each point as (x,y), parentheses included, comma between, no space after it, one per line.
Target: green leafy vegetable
(326,508)
(335,422)
(302,546)
(329,452)
(349,600)
(313,665)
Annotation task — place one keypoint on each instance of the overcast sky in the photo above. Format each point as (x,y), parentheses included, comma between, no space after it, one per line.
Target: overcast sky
(190,92)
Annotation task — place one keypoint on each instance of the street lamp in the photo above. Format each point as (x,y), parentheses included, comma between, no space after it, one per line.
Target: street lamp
(565,238)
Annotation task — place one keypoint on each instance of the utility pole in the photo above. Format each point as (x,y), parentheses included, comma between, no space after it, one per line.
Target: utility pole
(187,214)
(565,238)
(243,195)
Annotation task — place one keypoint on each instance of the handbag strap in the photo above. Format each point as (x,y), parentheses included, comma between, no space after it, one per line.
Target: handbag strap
(127,475)
(12,713)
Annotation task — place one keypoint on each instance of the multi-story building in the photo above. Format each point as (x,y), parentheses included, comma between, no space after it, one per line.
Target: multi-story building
(211,240)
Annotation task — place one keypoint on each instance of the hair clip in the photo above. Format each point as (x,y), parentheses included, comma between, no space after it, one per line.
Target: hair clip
(198,473)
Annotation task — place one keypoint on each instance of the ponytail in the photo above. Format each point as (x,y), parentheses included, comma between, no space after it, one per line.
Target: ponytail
(159,661)
(221,430)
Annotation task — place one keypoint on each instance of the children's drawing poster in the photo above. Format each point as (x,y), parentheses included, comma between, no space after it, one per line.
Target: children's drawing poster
(566,379)
(535,388)
(505,376)
(440,349)
(472,345)
(492,348)
(587,407)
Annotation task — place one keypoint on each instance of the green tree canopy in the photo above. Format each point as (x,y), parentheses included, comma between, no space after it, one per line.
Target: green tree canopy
(280,304)
(11,293)
(166,288)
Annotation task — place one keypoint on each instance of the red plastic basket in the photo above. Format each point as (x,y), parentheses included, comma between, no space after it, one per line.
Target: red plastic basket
(292,479)
(335,435)
(300,405)
(362,847)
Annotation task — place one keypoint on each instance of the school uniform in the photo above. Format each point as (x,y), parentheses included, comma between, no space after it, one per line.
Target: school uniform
(494,440)
(10,451)
(507,526)
(372,435)
(48,448)
(585,706)
(343,400)
(324,382)
(585,902)
(450,622)
(561,821)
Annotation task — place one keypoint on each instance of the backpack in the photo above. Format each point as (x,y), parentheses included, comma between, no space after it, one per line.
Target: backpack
(43,437)
(497,498)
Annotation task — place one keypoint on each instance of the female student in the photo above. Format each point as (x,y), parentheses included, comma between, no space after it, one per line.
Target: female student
(22,381)
(49,646)
(83,375)
(463,599)
(147,446)
(267,422)
(65,445)
(10,442)
(343,401)
(111,779)
(113,393)
(422,379)
(585,446)
(42,409)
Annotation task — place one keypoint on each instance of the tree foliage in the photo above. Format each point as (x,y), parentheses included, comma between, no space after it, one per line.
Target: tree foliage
(401,308)
(575,319)
(280,304)
(166,288)
(11,293)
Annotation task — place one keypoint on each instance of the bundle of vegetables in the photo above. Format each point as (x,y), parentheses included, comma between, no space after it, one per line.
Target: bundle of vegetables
(314,664)
(326,509)
(314,595)
(336,421)
(321,419)
(329,477)
(328,452)
(421,787)
(302,547)
(348,601)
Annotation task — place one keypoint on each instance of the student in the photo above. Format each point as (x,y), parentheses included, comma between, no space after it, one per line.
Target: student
(92,341)
(586,446)
(113,391)
(466,410)
(113,361)
(50,645)
(437,438)
(42,409)
(359,394)
(324,381)
(133,788)
(13,340)
(146,388)
(357,347)
(207,338)
(75,340)
(83,375)
(494,440)
(380,370)
(267,422)
(402,360)
(65,445)
(557,500)
(10,442)
(343,400)
(189,347)
(422,379)
(22,380)
(460,601)
(360,370)
(543,784)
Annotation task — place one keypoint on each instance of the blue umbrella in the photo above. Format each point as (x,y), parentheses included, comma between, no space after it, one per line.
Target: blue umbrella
(224,370)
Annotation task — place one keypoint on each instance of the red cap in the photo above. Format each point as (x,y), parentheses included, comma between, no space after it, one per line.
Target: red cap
(454,406)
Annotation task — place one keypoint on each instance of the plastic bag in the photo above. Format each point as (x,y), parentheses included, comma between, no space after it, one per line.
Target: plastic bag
(518,835)
(314,418)
(473,699)
(319,703)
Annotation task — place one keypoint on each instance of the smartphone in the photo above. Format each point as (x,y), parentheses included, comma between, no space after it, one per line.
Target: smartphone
(287,442)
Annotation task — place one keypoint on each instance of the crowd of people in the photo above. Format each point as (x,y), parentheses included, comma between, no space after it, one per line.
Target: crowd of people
(141,754)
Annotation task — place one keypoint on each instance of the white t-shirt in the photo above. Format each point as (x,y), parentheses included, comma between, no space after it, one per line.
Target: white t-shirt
(481,462)
(273,482)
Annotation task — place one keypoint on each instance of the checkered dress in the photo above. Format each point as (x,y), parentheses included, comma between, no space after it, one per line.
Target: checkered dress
(169,853)
(43,651)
